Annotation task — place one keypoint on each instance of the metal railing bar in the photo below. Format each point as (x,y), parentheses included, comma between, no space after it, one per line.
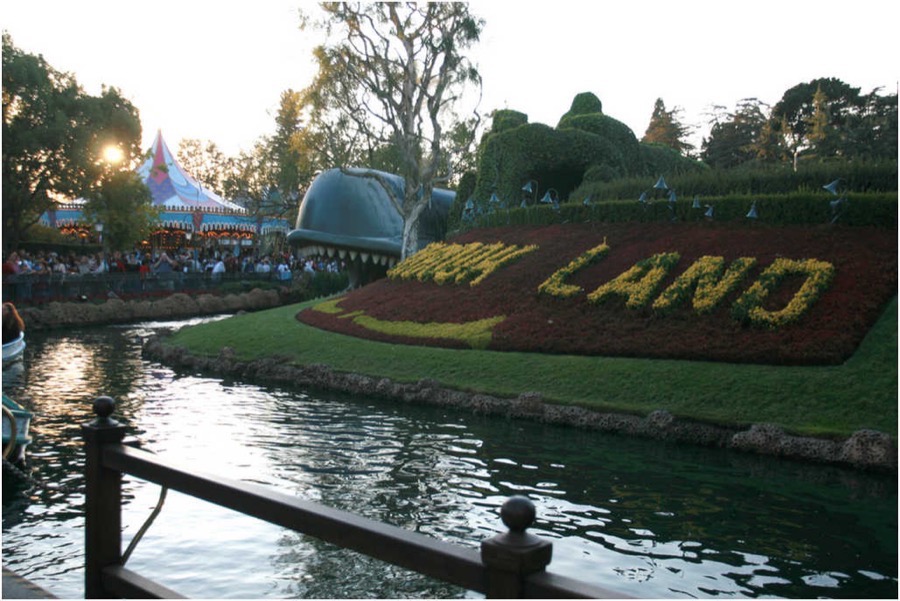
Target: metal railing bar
(426,555)
(121,581)
(547,585)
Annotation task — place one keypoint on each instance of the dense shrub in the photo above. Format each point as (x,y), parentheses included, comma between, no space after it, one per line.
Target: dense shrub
(585,103)
(858,178)
(875,209)
(559,158)
(505,119)
(609,129)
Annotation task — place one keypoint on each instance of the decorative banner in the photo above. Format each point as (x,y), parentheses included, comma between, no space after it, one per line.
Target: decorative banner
(198,220)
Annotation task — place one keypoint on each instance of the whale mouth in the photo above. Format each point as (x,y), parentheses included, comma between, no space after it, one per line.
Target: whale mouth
(375,251)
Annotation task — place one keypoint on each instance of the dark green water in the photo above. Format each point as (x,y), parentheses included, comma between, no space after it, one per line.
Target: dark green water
(644,518)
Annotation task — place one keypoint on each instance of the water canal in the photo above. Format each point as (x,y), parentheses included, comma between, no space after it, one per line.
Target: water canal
(644,518)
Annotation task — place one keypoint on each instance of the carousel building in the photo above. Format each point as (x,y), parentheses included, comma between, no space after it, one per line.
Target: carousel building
(190,214)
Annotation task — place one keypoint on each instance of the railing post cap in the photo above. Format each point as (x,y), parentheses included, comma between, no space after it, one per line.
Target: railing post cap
(518,513)
(517,551)
(104,407)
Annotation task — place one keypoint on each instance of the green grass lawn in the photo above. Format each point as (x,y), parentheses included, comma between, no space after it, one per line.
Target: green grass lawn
(829,400)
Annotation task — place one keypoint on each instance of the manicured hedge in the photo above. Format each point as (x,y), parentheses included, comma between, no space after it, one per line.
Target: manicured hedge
(873,209)
(858,178)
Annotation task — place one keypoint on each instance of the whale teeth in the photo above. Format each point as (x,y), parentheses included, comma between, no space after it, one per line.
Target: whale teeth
(353,255)
(364,257)
(342,253)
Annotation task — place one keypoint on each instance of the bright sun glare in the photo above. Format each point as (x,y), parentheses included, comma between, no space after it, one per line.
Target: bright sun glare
(113,154)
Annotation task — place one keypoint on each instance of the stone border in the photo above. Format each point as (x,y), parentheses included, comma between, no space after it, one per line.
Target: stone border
(174,306)
(865,449)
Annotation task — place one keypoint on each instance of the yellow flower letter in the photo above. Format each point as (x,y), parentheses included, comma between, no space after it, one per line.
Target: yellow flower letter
(638,284)
(555,286)
(458,263)
(708,283)
(749,306)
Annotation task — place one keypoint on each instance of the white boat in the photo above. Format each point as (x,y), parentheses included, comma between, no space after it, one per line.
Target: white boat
(16,423)
(14,350)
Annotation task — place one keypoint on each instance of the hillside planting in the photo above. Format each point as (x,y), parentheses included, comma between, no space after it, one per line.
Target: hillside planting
(785,295)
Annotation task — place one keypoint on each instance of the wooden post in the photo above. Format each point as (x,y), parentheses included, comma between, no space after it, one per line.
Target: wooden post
(512,556)
(103,499)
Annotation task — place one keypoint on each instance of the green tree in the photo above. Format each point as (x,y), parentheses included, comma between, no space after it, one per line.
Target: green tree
(394,75)
(54,135)
(252,177)
(666,129)
(794,116)
(734,137)
(871,133)
(123,204)
(293,153)
(204,162)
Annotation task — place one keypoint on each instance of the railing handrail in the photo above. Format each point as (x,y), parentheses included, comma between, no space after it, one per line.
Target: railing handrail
(509,565)
(395,545)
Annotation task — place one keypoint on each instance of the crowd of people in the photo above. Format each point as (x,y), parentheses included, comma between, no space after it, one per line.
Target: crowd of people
(215,262)
(42,276)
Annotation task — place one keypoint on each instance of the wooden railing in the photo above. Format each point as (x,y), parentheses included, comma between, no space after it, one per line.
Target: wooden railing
(509,565)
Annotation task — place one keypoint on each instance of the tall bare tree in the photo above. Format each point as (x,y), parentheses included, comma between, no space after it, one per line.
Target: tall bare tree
(394,74)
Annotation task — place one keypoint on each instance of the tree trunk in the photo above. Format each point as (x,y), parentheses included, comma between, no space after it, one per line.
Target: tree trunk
(410,242)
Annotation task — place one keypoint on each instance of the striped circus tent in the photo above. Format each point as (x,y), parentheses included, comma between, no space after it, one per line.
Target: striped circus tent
(186,207)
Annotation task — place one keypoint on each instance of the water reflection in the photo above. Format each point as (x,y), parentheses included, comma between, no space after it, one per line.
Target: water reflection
(648,519)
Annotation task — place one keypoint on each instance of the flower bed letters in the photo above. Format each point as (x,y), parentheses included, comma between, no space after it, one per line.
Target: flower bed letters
(692,291)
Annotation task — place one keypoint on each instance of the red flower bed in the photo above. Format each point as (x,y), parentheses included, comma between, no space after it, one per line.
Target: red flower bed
(865,278)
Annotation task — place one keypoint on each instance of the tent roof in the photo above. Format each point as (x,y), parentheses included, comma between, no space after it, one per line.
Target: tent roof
(171,186)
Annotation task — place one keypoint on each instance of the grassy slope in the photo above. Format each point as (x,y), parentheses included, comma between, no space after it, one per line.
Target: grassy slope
(834,400)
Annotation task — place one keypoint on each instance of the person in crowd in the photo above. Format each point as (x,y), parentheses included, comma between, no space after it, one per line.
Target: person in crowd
(164,264)
(218,269)
(84,265)
(264,266)
(13,325)
(61,267)
(11,264)
(284,270)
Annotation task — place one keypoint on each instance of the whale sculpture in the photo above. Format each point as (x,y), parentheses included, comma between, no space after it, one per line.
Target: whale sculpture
(348,214)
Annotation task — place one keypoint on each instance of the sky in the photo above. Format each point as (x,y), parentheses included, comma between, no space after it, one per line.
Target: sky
(215,70)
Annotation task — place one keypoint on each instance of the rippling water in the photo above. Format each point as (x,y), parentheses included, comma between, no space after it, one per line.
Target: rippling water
(645,518)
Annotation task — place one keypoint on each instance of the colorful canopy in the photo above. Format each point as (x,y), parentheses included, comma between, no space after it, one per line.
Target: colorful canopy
(171,186)
(185,204)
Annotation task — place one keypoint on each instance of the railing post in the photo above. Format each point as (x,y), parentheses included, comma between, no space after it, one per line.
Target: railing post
(103,499)
(511,557)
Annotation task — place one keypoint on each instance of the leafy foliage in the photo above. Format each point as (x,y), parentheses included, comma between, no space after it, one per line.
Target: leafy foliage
(584,146)
(122,203)
(858,177)
(666,129)
(53,137)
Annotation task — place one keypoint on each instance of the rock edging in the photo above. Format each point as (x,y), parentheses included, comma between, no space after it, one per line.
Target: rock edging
(174,306)
(865,449)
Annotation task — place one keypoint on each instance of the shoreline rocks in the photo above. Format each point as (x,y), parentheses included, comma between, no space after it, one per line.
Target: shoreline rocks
(174,306)
(865,449)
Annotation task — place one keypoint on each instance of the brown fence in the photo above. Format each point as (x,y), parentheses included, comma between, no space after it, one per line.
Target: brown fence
(509,565)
